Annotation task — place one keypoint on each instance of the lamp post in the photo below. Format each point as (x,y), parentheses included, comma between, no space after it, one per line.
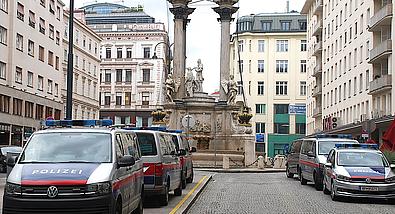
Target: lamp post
(169,59)
(69,98)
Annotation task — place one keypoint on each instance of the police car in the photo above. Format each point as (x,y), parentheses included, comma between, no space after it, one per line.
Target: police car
(358,170)
(70,170)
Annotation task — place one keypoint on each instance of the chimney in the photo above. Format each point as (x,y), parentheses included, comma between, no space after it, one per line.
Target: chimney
(287,6)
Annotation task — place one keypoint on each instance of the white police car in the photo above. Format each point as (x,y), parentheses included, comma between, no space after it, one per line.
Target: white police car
(358,170)
(76,170)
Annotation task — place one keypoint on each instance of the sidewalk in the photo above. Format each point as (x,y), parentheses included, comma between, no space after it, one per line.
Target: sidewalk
(241,170)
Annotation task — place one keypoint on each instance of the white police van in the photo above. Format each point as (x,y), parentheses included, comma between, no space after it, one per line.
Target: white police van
(76,170)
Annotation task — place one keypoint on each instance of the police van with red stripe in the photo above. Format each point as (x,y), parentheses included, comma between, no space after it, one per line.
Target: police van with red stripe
(77,170)
(313,154)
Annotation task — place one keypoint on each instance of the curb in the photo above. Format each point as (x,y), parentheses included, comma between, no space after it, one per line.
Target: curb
(186,206)
(242,171)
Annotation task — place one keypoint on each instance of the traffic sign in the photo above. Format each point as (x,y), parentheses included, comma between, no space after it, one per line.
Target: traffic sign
(188,121)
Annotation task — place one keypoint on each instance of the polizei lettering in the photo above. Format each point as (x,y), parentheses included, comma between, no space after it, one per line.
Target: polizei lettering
(57,171)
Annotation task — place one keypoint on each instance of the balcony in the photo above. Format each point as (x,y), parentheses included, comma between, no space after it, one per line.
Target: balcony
(317,49)
(381,51)
(317,10)
(381,18)
(380,84)
(317,30)
(317,91)
(317,112)
(317,70)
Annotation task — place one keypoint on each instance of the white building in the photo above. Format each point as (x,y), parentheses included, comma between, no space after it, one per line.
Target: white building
(273,53)
(86,83)
(30,66)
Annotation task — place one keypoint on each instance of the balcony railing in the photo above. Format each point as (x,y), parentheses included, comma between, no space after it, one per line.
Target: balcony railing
(318,7)
(317,91)
(380,51)
(381,18)
(317,48)
(317,112)
(317,70)
(317,28)
(380,84)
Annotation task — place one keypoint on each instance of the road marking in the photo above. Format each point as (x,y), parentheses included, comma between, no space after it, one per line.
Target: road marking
(187,196)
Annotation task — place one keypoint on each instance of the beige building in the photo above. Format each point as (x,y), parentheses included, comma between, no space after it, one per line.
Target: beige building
(273,51)
(30,66)
(86,69)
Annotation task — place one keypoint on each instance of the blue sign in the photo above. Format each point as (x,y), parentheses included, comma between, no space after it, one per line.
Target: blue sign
(297,109)
(260,138)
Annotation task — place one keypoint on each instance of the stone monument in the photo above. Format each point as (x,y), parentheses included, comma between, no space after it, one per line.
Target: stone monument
(220,128)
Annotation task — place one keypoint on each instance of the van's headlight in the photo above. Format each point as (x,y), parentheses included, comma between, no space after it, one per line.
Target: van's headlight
(13,189)
(390,180)
(99,188)
(343,178)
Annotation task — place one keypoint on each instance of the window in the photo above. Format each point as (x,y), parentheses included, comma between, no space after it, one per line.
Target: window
(281,66)
(261,45)
(4,103)
(50,58)
(118,99)
(355,86)
(107,76)
(107,99)
(281,128)
(30,48)
(241,45)
(2,70)
(17,107)
(302,25)
(259,128)
(239,88)
(83,64)
(29,79)
(29,107)
(119,75)
(56,91)
(128,77)
(303,66)
(19,42)
(108,53)
(282,45)
(367,49)
(40,83)
(303,88)
(303,45)
(4,5)
(128,53)
(57,63)
(77,37)
(349,88)
(241,64)
(146,75)
(266,26)
(300,128)
(261,66)
(58,14)
(360,83)
(18,75)
(147,53)
(261,88)
(119,53)
(286,26)
(84,41)
(260,108)
(41,53)
(49,89)
(76,61)
(51,32)
(145,99)
(20,12)
(41,26)
(32,19)
(3,35)
(281,88)
(42,2)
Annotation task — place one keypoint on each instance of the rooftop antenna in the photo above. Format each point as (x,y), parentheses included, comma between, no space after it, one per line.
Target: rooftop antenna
(287,8)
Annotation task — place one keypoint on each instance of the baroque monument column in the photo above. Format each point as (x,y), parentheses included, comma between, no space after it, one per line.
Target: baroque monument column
(225,11)
(181,12)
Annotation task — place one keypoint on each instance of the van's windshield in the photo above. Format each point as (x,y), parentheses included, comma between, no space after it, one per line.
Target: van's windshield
(324,147)
(67,148)
(147,144)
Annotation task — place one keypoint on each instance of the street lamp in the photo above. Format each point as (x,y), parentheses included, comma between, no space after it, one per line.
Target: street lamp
(169,59)
(69,98)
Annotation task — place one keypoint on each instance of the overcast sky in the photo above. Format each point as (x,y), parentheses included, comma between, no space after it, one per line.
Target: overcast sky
(203,32)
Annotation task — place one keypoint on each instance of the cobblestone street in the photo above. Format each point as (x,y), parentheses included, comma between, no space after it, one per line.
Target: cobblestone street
(274,193)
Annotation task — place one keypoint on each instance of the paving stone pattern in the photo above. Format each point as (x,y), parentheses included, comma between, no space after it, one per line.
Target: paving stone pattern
(274,193)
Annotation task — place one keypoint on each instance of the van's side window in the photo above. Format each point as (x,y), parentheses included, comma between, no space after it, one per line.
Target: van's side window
(296,146)
(119,145)
(306,147)
(175,141)
(164,145)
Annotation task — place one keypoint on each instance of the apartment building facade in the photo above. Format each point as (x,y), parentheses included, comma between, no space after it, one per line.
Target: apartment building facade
(273,55)
(86,69)
(30,66)
(131,85)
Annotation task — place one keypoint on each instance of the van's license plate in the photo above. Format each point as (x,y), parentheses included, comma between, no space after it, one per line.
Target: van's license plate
(369,189)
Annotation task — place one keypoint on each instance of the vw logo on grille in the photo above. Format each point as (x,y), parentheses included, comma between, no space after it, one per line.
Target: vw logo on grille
(52,192)
(368,180)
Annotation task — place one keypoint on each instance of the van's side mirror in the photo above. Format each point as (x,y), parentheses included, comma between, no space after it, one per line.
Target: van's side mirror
(193,149)
(329,165)
(310,154)
(182,152)
(126,160)
(11,160)
(392,166)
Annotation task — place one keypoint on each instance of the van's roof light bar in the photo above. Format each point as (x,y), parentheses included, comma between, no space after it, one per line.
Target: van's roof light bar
(343,136)
(153,128)
(356,146)
(70,123)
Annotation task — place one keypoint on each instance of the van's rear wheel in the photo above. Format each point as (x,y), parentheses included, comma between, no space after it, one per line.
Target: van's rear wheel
(190,179)
(164,198)
(184,180)
(178,191)
(317,182)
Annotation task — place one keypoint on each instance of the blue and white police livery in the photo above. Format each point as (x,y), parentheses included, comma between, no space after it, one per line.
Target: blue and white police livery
(76,170)
(358,171)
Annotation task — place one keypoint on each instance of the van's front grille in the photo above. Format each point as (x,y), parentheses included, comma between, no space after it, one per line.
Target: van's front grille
(63,191)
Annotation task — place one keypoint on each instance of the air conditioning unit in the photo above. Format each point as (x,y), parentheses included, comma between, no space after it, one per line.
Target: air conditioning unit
(364,117)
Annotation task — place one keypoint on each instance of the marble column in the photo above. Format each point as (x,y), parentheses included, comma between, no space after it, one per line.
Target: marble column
(225,11)
(181,13)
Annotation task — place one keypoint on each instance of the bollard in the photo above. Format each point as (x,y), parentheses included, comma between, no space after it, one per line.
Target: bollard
(225,163)
(261,162)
